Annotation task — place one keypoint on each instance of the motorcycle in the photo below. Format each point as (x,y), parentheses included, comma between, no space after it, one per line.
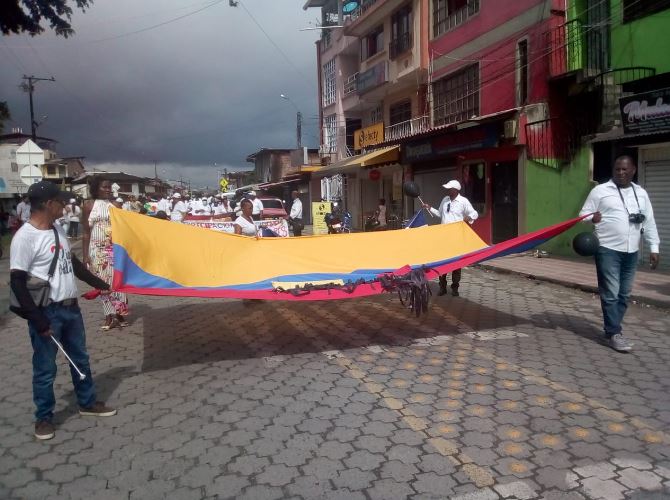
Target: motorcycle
(339,221)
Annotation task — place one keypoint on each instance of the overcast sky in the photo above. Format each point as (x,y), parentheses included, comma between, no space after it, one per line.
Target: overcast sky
(199,91)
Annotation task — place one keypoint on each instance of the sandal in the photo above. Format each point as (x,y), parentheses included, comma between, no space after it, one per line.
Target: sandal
(109,324)
(121,321)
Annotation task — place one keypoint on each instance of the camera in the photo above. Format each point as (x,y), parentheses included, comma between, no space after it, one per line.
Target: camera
(636,218)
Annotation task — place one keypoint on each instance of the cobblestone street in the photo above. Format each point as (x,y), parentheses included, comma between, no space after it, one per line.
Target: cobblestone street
(503,392)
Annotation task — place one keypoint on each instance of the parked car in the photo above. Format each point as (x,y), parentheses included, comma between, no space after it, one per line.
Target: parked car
(273,208)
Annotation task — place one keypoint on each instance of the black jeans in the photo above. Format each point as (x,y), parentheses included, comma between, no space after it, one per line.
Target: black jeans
(73,231)
(455,280)
(297,226)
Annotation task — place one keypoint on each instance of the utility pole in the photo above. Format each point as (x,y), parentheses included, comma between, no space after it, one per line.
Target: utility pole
(30,87)
(298,129)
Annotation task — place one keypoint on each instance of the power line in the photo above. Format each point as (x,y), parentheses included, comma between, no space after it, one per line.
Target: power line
(148,28)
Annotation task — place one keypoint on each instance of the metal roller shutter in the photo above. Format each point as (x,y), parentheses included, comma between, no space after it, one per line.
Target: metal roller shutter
(655,178)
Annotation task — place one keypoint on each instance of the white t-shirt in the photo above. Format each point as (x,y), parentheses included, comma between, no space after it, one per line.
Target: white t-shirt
(32,251)
(178,211)
(296,209)
(258,206)
(73,213)
(248,228)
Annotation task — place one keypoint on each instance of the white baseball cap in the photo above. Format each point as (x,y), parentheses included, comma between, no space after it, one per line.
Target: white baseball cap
(72,200)
(252,193)
(119,200)
(452,184)
(176,195)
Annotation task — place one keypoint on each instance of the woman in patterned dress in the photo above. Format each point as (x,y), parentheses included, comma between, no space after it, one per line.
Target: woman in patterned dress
(97,249)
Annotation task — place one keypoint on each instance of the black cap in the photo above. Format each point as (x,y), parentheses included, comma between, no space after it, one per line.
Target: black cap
(45,191)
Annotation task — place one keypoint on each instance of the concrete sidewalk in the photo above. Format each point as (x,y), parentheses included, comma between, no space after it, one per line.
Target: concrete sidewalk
(651,287)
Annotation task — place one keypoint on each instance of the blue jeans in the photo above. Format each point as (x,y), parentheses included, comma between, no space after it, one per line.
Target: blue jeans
(68,328)
(616,272)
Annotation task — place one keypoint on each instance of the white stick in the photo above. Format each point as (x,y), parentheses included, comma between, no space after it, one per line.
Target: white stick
(422,203)
(81,375)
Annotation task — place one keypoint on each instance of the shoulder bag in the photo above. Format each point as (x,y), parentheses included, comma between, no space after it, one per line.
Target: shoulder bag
(39,289)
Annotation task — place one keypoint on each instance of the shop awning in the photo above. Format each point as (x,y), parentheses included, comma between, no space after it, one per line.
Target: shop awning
(310,168)
(379,157)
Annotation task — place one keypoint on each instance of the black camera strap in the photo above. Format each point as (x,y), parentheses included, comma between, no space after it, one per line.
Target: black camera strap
(624,203)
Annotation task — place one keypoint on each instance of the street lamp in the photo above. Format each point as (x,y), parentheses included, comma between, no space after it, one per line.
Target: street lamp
(298,125)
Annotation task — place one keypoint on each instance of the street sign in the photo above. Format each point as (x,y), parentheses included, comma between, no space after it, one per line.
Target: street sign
(29,153)
(30,174)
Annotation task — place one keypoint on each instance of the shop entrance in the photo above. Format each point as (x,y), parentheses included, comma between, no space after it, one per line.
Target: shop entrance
(505,197)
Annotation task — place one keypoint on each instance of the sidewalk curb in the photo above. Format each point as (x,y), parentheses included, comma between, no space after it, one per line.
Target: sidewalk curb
(640,300)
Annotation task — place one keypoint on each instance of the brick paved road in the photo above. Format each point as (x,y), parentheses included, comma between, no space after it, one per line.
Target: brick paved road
(503,392)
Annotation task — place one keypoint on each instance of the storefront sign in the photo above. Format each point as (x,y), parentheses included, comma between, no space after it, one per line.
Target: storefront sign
(371,78)
(319,211)
(484,136)
(647,112)
(369,136)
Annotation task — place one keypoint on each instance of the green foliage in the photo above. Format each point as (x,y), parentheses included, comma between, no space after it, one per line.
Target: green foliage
(18,16)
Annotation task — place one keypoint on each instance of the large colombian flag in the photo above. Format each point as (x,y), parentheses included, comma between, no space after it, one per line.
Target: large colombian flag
(157,257)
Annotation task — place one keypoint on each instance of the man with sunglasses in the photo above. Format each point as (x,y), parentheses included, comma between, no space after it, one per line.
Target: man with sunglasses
(453,208)
(622,214)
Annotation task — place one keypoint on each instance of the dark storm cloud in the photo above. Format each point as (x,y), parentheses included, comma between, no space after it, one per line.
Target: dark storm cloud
(195,92)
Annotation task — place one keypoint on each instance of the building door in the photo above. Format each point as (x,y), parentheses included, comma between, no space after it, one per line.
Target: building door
(432,192)
(655,178)
(505,201)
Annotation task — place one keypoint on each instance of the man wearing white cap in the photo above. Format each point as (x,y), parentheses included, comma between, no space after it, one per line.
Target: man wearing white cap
(453,208)
(179,208)
(257,213)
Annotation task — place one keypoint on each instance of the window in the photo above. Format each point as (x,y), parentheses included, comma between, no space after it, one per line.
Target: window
(401,31)
(329,83)
(61,170)
(636,9)
(456,97)
(447,14)
(330,132)
(400,112)
(522,72)
(372,43)
(376,115)
(15,166)
(51,170)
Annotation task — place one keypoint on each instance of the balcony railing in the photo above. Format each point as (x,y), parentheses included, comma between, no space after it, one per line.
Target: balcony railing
(400,44)
(351,85)
(444,21)
(573,46)
(407,128)
(362,9)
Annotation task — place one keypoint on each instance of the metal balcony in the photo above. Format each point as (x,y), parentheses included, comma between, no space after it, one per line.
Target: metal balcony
(407,128)
(351,84)
(574,47)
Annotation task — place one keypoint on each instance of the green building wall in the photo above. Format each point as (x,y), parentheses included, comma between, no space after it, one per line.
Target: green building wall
(557,194)
(643,42)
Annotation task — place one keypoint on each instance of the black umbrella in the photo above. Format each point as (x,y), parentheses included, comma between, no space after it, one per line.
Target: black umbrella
(412,190)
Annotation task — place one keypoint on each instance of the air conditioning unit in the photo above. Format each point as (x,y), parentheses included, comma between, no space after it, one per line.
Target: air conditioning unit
(510,129)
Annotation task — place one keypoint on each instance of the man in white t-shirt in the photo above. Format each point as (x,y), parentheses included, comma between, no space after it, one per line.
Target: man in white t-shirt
(23,210)
(164,205)
(32,252)
(74,214)
(295,216)
(257,213)
(179,208)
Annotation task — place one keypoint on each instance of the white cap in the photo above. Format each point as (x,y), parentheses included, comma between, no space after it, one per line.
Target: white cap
(176,195)
(119,200)
(452,184)
(252,193)
(72,200)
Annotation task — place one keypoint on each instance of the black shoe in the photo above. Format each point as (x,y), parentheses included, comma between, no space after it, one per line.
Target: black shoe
(44,430)
(454,292)
(99,409)
(443,291)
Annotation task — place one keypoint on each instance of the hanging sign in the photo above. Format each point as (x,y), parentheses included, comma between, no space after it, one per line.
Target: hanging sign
(369,136)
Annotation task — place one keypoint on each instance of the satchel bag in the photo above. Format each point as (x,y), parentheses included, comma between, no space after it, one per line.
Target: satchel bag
(39,289)
(297,224)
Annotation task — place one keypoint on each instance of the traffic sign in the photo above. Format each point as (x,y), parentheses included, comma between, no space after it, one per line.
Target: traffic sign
(30,174)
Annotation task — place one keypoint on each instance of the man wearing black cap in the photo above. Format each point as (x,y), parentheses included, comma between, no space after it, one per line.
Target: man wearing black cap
(31,255)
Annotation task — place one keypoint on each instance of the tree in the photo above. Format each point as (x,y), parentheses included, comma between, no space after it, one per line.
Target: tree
(4,114)
(18,16)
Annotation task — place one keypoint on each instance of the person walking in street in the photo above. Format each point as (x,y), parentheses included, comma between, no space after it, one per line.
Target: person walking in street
(97,250)
(295,216)
(179,208)
(621,214)
(33,250)
(23,210)
(453,208)
(257,213)
(244,224)
(74,215)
